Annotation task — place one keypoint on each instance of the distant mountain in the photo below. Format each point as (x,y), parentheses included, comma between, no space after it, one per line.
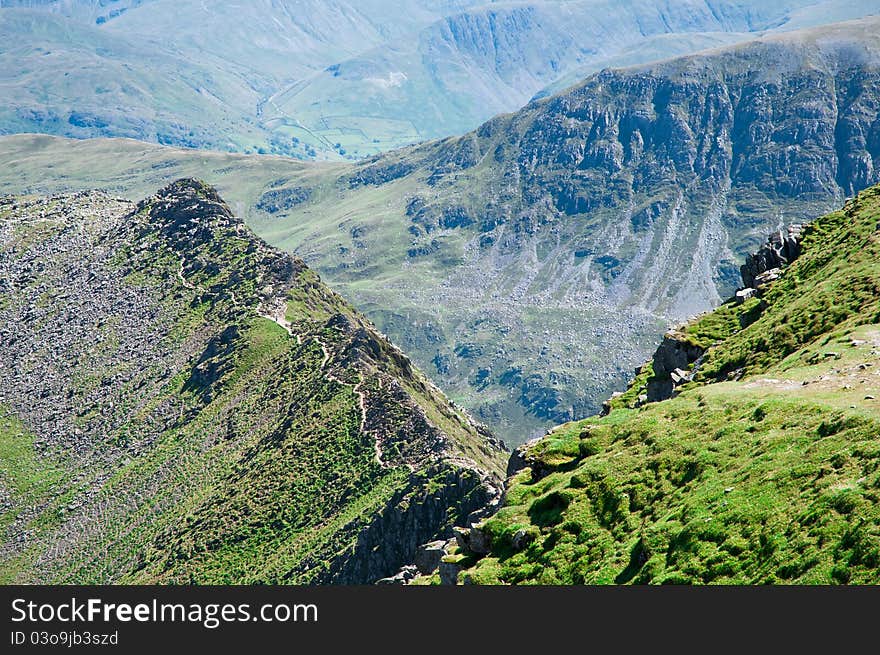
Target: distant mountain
(463,69)
(335,79)
(763,469)
(181,403)
(185,73)
(530,265)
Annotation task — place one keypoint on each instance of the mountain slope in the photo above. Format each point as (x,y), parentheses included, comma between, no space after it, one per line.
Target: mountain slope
(182,403)
(531,265)
(593,217)
(61,77)
(182,73)
(765,467)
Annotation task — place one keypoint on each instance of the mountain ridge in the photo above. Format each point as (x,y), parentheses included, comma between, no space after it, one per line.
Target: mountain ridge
(192,405)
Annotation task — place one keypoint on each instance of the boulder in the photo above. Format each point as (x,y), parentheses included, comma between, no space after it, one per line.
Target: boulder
(472,540)
(744,294)
(429,555)
(518,458)
(449,572)
(403,576)
(765,278)
(674,352)
(671,360)
(679,376)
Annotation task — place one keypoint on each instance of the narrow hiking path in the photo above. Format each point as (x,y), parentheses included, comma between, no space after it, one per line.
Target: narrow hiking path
(278,316)
(189,285)
(362,398)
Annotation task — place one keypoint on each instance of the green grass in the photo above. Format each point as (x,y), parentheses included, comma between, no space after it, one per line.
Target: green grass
(27,479)
(773,478)
(711,487)
(834,285)
(24,475)
(720,324)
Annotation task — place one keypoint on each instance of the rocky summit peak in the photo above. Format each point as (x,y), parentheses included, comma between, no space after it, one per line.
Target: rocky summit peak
(190,210)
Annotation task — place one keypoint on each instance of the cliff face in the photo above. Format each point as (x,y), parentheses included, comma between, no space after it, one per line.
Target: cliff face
(660,179)
(618,206)
(183,403)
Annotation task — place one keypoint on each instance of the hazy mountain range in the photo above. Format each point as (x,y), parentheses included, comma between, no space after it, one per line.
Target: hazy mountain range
(335,79)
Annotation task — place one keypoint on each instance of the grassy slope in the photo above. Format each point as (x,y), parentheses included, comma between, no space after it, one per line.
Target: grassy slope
(267,467)
(772,477)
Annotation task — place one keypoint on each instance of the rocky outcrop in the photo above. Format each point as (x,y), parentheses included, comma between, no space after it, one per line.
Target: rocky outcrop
(671,361)
(429,555)
(519,458)
(674,360)
(426,510)
(281,200)
(782,248)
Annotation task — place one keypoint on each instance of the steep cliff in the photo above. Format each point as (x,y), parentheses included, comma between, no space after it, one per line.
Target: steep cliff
(183,403)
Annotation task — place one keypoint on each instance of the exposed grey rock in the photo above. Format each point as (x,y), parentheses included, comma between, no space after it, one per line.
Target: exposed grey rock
(744,294)
(763,279)
(429,555)
(395,579)
(412,515)
(782,248)
(280,200)
(679,376)
(518,459)
(461,537)
(402,577)
(521,539)
(674,352)
(472,540)
(671,359)
(449,572)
